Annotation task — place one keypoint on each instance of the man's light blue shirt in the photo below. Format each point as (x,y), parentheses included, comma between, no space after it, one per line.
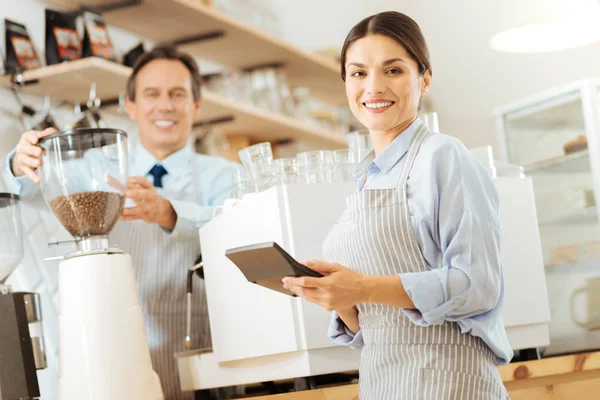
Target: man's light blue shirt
(206,181)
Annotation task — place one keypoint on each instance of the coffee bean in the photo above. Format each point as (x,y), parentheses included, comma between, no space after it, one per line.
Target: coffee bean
(88,213)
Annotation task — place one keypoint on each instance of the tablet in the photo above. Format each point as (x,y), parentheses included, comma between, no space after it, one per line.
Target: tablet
(266,264)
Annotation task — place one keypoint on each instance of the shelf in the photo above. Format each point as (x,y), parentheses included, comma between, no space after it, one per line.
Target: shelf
(241,45)
(71,82)
(562,112)
(264,124)
(571,163)
(572,262)
(576,216)
(582,252)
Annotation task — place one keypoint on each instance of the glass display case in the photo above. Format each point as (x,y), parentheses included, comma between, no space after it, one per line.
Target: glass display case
(555,136)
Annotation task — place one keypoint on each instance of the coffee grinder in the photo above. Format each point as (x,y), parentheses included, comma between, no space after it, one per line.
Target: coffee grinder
(21,338)
(103,348)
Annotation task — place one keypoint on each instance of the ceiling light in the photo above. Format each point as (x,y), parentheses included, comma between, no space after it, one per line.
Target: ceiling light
(538,26)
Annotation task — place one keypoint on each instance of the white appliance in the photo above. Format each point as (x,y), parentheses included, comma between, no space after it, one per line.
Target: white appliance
(261,335)
(103,348)
(21,335)
(526,307)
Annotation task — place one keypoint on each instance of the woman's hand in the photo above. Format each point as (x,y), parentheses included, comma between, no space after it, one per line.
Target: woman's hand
(340,288)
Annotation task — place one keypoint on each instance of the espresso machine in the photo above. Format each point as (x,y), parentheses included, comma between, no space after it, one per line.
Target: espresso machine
(103,348)
(21,338)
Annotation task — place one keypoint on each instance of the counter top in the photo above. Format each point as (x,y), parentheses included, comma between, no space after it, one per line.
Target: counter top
(575,376)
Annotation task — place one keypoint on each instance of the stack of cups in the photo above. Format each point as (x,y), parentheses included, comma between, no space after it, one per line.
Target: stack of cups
(242,184)
(359,140)
(344,163)
(315,166)
(258,160)
(286,171)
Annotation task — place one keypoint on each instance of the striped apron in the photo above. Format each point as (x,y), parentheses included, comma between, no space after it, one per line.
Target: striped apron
(401,360)
(161,264)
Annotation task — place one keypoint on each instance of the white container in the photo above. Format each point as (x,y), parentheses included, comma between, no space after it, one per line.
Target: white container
(103,348)
(258,334)
(298,218)
(526,310)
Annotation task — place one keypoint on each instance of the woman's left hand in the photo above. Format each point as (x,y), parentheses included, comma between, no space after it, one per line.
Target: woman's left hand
(339,288)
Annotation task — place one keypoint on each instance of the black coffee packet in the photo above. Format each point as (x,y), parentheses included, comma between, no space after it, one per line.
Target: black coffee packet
(132,55)
(96,42)
(20,53)
(62,39)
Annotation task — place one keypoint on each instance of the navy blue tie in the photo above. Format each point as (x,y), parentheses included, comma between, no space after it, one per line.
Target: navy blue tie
(158,171)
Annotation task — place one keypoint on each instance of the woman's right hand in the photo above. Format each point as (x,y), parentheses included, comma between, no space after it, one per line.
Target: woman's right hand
(28,155)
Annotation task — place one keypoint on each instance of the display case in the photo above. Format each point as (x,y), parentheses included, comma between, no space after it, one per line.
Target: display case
(555,136)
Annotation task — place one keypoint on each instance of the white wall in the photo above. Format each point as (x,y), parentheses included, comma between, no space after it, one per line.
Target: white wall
(469,79)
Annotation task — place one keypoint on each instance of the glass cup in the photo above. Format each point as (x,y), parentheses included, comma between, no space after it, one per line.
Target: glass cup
(345,161)
(359,140)
(258,160)
(242,184)
(286,171)
(315,166)
(256,155)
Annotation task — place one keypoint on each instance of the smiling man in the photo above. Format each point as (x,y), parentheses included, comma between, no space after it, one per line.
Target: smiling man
(172,192)
(175,191)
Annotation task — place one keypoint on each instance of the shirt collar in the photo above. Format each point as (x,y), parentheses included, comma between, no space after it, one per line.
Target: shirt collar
(360,171)
(173,164)
(390,155)
(394,151)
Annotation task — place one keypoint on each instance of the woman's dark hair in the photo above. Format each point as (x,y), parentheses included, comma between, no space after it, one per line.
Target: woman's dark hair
(166,53)
(397,26)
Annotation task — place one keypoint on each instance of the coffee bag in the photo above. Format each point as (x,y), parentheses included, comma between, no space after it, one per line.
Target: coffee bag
(96,42)
(20,53)
(132,55)
(62,40)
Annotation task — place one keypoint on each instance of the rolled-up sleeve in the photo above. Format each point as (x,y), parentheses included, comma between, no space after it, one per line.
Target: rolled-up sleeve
(339,333)
(190,217)
(215,186)
(467,284)
(467,279)
(20,185)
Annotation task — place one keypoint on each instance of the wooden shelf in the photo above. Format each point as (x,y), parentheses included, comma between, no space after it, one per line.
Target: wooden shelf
(71,82)
(570,163)
(264,124)
(241,45)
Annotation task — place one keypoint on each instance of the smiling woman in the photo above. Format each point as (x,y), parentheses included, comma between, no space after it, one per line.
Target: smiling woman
(385,55)
(413,268)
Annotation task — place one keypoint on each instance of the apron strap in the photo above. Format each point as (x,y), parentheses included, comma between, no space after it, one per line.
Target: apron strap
(422,131)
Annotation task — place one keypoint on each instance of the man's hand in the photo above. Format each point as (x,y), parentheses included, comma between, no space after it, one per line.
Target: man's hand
(150,207)
(28,155)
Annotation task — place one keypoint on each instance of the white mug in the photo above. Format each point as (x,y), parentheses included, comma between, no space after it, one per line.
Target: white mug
(592,295)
